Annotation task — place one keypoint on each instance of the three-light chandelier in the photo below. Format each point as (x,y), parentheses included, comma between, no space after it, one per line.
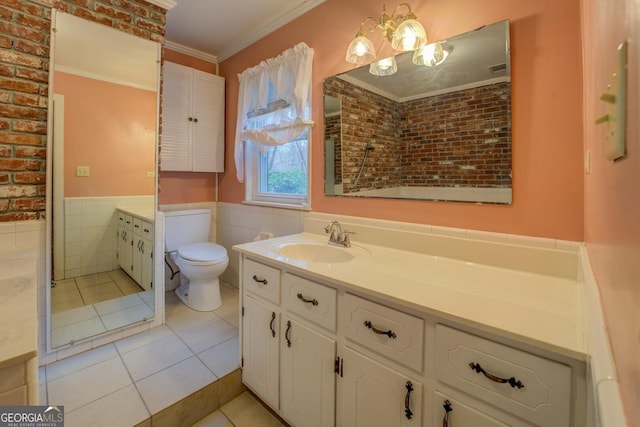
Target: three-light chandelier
(405,34)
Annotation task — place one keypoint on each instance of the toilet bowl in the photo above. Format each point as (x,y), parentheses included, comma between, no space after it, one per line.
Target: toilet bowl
(201,265)
(200,262)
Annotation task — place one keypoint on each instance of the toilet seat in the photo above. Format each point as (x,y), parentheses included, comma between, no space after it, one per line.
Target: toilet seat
(205,253)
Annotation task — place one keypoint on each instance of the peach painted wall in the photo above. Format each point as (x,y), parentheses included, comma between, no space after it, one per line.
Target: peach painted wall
(115,137)
(187,187)
(612,190)
(547,104)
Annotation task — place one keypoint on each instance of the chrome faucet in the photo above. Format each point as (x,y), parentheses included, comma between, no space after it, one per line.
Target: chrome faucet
(337,235)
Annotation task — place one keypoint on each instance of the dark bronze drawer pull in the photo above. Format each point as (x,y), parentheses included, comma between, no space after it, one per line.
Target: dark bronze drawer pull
(388,333)
(511,381)
(447,409)
(287,333)
(308,301)
(273,319)
(407,410)
(263,281)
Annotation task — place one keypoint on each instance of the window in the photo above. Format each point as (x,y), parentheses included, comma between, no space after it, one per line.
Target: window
(277,174)
(272,134)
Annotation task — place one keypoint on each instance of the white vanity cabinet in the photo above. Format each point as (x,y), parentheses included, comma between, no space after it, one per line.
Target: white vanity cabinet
(135,248)
(142,253)
(287,361)
(323,353)
(528,386)
(125,241)
(192,120)
(376,388)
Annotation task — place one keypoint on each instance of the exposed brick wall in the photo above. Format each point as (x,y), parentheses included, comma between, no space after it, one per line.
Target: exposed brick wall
(24,75)
(456,139)
(332,132)
(367,117)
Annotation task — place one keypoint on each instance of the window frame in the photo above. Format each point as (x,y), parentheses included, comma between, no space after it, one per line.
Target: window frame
(254,177)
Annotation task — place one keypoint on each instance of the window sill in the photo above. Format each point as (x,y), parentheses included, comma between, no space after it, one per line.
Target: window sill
(277,205)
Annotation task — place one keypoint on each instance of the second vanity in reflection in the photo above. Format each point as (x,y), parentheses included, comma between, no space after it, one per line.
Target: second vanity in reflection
(135,246)
(391,336)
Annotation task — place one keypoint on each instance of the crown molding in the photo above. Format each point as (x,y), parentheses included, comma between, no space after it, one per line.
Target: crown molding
(165,4)
(191,52)
(259,33)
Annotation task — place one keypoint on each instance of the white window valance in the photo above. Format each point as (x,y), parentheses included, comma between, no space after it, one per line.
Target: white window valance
(273,102)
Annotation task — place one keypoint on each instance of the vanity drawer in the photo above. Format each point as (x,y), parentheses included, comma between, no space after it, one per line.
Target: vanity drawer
(262,280)
(311,300)
(125,221)
(143,228)
(392,333)
(532,387)
(451,412)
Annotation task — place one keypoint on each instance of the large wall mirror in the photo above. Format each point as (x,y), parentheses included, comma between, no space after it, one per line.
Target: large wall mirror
(102,160)
(433,132)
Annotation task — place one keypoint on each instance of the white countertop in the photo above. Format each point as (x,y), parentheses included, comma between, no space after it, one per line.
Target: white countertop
(544,311)
(18,317)
(146,215)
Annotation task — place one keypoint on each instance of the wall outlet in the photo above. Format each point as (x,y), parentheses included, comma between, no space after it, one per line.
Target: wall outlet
(82,170)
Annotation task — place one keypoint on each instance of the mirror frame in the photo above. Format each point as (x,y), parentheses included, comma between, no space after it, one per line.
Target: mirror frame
(458,177)
(50,190)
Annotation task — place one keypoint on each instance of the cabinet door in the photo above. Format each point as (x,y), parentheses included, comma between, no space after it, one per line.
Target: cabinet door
(208,126)
(260,350)
(307,376)
(125,251)
(375,395)
(176,111)
(136,262)
(146,264)
(123,247)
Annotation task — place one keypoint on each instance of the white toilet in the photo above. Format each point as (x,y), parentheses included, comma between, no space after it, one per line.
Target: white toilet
(201,263)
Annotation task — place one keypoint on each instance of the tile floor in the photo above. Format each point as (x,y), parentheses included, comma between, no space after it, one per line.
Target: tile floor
(146,373)
(90,289)
(89,305)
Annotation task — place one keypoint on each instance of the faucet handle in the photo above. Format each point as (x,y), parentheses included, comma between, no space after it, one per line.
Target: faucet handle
(345,239)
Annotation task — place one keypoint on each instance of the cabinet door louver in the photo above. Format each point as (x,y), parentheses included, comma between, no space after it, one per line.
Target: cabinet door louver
(192,120)
(208,131)
(175,149)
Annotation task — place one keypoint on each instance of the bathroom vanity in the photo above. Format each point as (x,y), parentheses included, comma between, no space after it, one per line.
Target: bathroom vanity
(18,329)
(135,246)
(374,335)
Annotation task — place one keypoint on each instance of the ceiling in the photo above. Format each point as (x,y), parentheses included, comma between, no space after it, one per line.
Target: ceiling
(215,30)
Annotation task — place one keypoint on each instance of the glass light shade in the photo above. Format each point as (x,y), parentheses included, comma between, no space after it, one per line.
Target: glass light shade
(360,51)
(410,35)
(430,55)
(384,67)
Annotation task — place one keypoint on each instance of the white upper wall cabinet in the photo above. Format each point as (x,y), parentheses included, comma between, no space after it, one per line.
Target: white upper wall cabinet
(192,120)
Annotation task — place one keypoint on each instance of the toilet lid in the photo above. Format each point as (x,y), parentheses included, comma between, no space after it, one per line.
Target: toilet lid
(202,252)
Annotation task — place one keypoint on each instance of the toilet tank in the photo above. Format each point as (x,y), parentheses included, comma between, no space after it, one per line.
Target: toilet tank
(185,227)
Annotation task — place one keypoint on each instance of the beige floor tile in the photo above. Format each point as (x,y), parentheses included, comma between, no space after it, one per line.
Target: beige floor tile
(64,306)
(59,296)
(216,419)
(123,407)
(93,299)
(66,284)
(129,288)
(92,280)
(246,411)
(102,288)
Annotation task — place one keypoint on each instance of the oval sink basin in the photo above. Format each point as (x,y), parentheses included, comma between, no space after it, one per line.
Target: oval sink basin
(314,252)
